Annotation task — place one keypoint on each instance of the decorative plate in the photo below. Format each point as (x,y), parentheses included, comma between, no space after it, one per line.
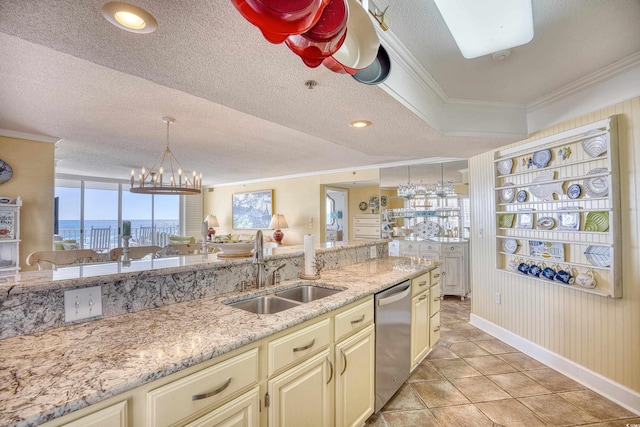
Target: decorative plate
(541,158)
(545,191)
(546,250)
(522,196)
(598,186)
(574,191)
(426,229)
(545,223)
(525,220)
(506,220)
(507,194)
(569,220)
(600,256)
(510,246)
(596,145)
(504,166)
(6,172)
(363,206)
(597,221)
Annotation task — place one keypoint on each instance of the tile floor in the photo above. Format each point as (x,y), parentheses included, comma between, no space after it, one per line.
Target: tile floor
(472,379)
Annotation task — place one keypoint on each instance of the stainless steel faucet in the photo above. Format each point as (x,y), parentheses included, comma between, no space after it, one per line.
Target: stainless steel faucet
(258,259)
(275,276)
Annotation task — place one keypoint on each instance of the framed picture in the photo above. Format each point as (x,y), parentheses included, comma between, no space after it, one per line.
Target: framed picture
(252,210)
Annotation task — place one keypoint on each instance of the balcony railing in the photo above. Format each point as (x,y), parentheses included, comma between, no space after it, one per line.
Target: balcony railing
(140,236)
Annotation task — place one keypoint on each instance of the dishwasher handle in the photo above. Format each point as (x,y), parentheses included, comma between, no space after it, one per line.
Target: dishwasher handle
(395,296)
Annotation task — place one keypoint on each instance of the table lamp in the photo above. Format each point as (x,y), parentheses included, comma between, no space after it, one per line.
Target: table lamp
(277,222)
(212,222)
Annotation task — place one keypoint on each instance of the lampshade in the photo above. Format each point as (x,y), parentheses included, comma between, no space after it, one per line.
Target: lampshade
(212,220)
(277,222)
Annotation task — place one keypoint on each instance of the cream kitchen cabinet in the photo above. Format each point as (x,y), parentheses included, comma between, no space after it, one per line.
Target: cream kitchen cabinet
(366,227)
(455,269)
(243,411)
(434,307)
(425,314)
(355,364)
(301,396)
(111,416)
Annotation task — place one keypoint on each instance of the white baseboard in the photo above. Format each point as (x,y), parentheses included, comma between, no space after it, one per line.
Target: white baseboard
(618,393)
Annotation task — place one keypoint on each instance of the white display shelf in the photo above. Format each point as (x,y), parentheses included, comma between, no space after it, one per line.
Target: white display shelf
(573,169)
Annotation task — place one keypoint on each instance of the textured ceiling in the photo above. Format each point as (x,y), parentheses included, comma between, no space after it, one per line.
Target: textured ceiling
(242,110)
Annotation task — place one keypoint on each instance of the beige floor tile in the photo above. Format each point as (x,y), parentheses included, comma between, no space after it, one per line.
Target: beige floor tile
(553,380)
(440,352)
(467,349)
(405,398)
(439,393)
(489,365)
(623,423)
(521,361)
(596,405)
(454,368)
(495,346)
(461,416)
(479,389)
(557,411)
(451,336)
(518,385)
(425,372)
(511,413)
(376,420)
(421,418)
(475,334)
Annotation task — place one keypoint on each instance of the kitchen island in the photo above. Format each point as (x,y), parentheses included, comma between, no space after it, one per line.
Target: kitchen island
(48,374)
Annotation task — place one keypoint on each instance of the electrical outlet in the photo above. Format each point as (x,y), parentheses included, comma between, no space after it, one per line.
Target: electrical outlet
(498,298)
(82,303)
(373,252)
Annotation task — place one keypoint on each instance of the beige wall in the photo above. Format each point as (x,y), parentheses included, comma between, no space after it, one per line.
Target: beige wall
(298,199)
(33,180)
(601,334)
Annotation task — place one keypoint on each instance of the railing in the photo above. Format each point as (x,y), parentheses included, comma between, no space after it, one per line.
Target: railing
(159,236)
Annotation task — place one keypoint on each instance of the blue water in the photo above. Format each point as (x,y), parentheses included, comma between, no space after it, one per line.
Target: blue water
(70,229)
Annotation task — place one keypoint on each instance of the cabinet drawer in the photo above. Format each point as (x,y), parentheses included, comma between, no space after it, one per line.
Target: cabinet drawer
(353,319)
(298,345)
(367,230)
(187,396)
(374,221)
(434,302)
(434,329)
(435,276)
(452,249)
(420,284)
(112,416)
(430,247)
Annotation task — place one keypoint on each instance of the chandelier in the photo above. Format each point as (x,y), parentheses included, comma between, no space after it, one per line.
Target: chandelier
(154,181)
(440,188)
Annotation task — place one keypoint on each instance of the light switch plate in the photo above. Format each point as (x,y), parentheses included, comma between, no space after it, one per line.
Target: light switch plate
(498,298)
(84,303)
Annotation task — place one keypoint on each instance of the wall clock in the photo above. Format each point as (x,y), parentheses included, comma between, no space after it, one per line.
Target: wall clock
(6,172)
(363,206)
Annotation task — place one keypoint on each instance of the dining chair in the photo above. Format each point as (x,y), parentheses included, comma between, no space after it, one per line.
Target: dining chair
(135,252)
(145,236)
(100,239)
(61,258)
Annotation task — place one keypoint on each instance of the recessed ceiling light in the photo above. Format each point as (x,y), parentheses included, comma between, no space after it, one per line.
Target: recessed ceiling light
(483,27)
(360,124)
(129,17)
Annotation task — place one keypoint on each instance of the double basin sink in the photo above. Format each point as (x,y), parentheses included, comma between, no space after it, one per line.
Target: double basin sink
(283,300)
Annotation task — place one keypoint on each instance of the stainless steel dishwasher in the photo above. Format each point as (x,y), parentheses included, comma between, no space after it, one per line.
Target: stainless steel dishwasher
(393,340)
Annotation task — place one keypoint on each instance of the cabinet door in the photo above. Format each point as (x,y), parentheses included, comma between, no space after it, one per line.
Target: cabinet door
(301,396)
(355,377)
(434,329)
(112,416)
(243,411)
(452,269)
(419,326)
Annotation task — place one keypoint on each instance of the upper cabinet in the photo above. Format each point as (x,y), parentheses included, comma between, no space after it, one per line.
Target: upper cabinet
(558,209)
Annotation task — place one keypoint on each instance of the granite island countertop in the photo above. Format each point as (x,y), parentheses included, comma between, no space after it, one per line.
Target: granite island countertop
(49,374)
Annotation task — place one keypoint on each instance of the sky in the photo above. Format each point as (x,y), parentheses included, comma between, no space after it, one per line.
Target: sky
(103,205)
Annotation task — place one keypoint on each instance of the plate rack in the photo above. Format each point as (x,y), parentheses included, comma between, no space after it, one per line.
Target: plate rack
(586,156)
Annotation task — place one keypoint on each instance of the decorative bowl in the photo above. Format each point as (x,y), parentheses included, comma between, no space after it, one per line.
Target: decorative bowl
(597,221)
(504,166)
(238,248)
(596,145)
(597,186)
(541,158)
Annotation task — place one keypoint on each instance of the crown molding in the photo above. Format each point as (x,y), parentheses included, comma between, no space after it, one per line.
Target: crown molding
(29,136)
